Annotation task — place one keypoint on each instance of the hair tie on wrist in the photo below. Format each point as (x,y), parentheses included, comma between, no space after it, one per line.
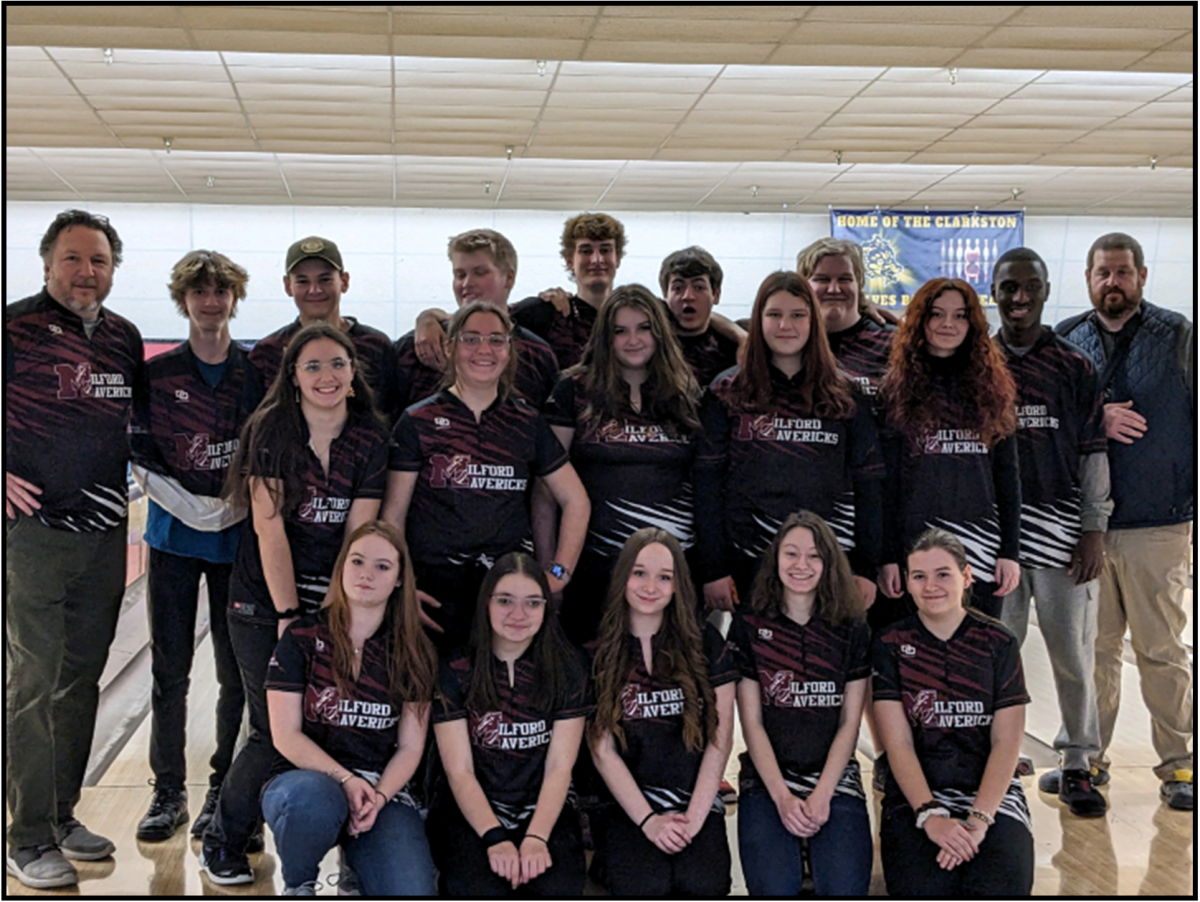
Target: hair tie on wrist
(494,836)
(646,818)
(540,839)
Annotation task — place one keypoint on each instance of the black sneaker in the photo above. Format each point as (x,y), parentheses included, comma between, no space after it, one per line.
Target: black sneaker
(225,867)
(257,842)
(200,824)
(1179,792)
(168,812)
(1078,794)
(1051,780)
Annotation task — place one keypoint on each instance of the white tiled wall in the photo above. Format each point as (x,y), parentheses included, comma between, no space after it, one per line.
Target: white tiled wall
(397,257)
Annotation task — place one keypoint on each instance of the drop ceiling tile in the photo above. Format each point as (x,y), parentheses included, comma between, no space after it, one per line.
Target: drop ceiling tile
(670,52)
(1062,58)
(343,42)
(500,22)
(1077,38)
(488,48)
(689,30)
(832,54)
(1167,60)
(1116,16)
(895,34)
(905,13)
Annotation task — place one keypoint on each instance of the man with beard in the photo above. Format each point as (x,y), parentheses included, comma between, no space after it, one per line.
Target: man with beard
(70,371)
(1146,364)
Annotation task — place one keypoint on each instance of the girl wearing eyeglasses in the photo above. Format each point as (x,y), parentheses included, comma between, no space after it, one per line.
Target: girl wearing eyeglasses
(509,720)
(461,471)
(311,466)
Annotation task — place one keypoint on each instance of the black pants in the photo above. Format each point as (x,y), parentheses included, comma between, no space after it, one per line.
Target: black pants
(462,857)
(456,587)
(1002,867)
(585,597)
(638,868)
(240,807)
(173,584)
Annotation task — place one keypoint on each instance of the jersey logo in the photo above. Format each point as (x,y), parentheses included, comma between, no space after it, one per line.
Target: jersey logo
(908,651)
(323,509)
(324,704)
(191,451)
(486,730)
(779,688)
(922,710)
(181,395)
(441,422)
(55,330)
(765,634)
(74,381)
(450,470)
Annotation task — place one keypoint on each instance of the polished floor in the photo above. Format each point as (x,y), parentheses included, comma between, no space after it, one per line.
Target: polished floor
(1140,848)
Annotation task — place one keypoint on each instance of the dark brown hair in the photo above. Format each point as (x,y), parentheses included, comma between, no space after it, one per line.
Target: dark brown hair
(197,269)
(984,391)
(824,392)
(412,664)
(838,598)
(679,657)
(591,227)
(68,218)
(458,322)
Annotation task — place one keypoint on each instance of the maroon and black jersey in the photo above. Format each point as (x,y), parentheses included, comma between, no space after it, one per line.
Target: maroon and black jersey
(376,359)
(67,405)
(652,719)
(537,370)
(952,480)
(187,429)
(802,672)
(1060,418)
(862,352)
(566,335)
(357,469)
(774,462)
(637,472)
(471,501)
(950,692)
(359,730)
(708,354)
(509,745)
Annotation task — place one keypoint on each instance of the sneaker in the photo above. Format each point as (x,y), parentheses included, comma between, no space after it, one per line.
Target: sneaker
(168,812)
(346,880)
(200,824)
(1078,794)
(1180,791)
(727,793)
(79,843)
(225,867)
(1024,766)
(1050,781)
(304,889)
(41,867)
(257,842)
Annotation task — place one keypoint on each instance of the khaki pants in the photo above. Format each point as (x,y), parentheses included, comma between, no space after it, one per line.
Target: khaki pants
(1142,585)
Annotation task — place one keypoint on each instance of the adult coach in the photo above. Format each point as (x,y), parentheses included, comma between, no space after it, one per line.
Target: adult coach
(1147,370)
(70,368)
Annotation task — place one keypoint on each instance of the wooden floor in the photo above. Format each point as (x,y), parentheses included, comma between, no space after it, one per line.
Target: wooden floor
(1140,848)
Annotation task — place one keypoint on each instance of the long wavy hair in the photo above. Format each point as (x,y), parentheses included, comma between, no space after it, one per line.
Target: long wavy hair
(273,438)
(838,599)
(458,323)
(679,657)
(412,664)
(554,659)
(824,392)
(669,395)
(984,391)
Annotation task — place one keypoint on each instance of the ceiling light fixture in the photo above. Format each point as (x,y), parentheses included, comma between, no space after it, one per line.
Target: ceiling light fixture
(167,142)
(1016,192)
(108,56)
(754,190)
(837,157)
(210,182)
(508,149)
(487,187)
(953,75)
(1154,162)
(541,67)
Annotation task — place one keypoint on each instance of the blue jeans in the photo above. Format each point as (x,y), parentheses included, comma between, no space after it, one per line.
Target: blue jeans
(307,811)
(841,853)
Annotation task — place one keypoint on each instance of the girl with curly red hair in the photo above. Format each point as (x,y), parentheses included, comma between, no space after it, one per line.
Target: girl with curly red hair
(950,411)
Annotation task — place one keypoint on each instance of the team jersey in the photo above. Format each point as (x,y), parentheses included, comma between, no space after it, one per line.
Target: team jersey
(471,501)
(950,692)
(1060,418)
(376,359)
(509,745)
(664,768)
(783,459)
(566,335)
(862,352)
(708,354)
(802,672)
(952,480)
(359,730)
(537,370)
(637,472)
(357,469)
(67,405)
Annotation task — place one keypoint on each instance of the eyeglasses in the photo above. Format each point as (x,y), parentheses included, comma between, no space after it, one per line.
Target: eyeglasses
(495,340)
(532,603)
(312,367)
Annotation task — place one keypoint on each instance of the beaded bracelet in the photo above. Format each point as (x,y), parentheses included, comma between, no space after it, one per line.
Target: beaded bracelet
(981,816)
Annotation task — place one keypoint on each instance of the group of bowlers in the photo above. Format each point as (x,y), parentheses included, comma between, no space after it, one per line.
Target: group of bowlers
(512,521)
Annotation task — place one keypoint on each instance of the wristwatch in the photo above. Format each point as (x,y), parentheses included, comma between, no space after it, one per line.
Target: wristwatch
(559,572)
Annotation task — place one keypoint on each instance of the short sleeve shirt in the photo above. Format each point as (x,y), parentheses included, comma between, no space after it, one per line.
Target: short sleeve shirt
(708,354)
(566,335)
(471,500)
(862,352)
(509,745)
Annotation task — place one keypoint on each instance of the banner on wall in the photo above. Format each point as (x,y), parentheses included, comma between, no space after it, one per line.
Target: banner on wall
(904,249)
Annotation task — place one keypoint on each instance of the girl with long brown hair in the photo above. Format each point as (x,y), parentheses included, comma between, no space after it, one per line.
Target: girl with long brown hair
(950,408)
(628,415)
(509,721)
(663,727)
(349,690)
(784,431)
(803,648)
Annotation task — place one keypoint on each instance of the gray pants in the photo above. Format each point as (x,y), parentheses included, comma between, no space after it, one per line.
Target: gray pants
(1067,618)
(62,596)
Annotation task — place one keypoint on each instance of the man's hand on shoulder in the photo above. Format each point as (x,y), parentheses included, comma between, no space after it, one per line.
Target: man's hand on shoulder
(19,494)
(559,298)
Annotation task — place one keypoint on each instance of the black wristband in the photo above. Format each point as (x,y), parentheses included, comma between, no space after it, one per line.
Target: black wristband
(646,818)
(494,836)
(288,614)
(540,839)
